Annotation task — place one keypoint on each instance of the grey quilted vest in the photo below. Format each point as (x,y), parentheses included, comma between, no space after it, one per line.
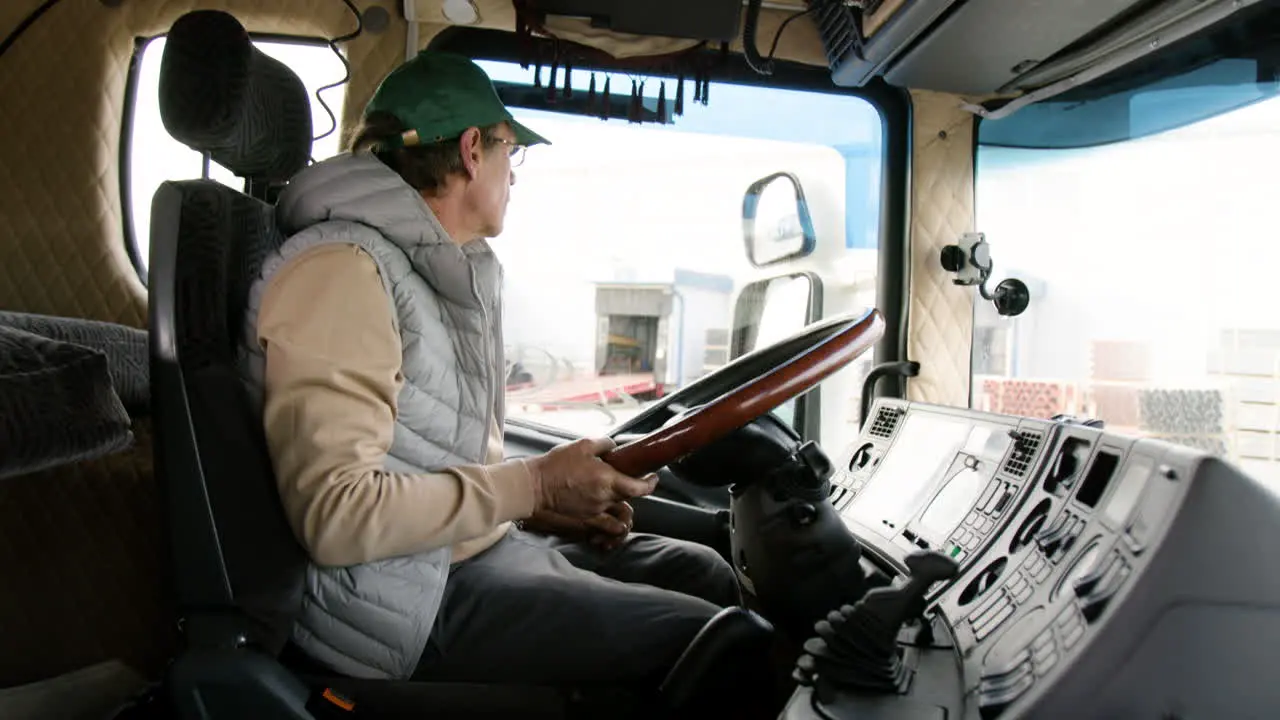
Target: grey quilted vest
(373,620)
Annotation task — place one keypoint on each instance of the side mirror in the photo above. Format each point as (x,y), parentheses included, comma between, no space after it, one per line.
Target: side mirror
(775,220)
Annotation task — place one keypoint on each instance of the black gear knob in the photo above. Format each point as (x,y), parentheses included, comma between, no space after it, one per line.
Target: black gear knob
(856,648)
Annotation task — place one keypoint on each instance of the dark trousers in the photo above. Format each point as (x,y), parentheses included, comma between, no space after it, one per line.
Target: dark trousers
(536,609)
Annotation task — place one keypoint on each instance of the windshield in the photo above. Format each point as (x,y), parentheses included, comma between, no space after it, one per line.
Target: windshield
(1151,265)
(624,252)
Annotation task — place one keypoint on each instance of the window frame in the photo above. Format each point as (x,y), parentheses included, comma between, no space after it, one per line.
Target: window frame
(125,151)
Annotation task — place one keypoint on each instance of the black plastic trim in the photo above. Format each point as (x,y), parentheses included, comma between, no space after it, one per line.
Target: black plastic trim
(123,156)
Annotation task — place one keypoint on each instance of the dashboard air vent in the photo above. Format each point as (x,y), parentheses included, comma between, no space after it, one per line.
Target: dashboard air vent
(886,422)
(840,29)
(1025,445)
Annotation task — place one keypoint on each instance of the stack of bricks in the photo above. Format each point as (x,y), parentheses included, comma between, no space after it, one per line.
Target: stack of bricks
(1030,398)
(1118,369)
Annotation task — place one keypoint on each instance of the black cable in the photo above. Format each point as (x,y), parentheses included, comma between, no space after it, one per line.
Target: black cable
(346,77)
(26,23)
(750,24)
(778,35)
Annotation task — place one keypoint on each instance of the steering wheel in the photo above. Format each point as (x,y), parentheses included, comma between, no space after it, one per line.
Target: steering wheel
(798,363)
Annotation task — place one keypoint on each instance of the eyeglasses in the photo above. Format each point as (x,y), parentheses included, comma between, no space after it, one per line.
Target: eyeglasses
(516,153)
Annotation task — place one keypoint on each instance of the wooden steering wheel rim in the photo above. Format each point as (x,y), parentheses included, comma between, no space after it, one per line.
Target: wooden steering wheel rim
(847,337)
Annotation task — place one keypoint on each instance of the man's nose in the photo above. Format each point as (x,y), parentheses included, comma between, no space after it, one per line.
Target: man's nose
(513,177)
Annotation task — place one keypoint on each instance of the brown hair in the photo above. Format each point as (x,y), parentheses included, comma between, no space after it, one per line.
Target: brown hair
(425,167)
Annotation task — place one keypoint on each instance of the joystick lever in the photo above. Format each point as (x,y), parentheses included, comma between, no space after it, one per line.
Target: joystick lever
(857,645)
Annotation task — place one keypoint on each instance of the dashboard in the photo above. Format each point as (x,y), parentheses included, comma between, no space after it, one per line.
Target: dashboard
(1082,574)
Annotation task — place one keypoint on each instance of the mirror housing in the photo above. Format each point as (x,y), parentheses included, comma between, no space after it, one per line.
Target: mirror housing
(776,224)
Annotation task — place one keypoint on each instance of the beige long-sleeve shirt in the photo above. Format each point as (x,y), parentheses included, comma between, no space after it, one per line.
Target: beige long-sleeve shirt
(333,373)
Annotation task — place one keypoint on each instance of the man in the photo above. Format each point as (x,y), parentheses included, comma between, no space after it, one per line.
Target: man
(375,346)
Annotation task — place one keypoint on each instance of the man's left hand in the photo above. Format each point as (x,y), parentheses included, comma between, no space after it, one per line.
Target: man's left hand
(610,528)
(607,530)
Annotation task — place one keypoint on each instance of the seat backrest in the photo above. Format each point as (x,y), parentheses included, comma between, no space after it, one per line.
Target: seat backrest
(239,569)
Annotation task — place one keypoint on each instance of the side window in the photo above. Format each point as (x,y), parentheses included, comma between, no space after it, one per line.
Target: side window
(154,156)
(1153,299)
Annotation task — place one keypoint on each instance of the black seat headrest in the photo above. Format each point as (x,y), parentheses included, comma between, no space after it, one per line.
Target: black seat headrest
(221,95)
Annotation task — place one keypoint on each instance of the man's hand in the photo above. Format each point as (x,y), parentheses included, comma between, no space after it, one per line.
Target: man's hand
(573,481)
(611,527)
(607,530)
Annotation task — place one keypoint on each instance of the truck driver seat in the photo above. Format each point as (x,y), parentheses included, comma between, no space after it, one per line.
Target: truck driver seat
(239,569)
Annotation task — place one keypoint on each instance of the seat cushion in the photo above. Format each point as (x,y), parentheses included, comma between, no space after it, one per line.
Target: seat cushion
(57,404)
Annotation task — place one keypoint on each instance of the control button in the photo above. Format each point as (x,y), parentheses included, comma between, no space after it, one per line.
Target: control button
(997,499)
(1042,640)
(1067,618)
(1070,627)
(1094,603)
(1041,569)
(993,697)
(972,519)
(1049,537)
(1020,588)
(1038,564)
(1131,541)
(1046,663)
(1088,583)
(988,494)
(1073,533)
(1042,654)
(1013,673)
(989,606)
(1043,574)
(1072,636)
(1003,502)
(985,525)
(1023,594)
(985,625)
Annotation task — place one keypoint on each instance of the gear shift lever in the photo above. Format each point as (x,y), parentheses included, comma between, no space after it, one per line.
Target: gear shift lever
(856,647)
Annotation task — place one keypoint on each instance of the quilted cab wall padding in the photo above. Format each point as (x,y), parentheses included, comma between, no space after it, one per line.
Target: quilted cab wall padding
(62,244)
(940,320)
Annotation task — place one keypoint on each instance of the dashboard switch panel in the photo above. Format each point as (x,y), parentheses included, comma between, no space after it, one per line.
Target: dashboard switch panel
(1097,574)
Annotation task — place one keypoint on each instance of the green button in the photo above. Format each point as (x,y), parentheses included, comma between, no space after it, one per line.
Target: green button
(955,550)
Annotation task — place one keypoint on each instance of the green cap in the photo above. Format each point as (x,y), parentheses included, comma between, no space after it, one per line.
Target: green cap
(440,95)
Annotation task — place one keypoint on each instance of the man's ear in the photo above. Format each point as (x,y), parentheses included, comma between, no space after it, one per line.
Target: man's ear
(471,147)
